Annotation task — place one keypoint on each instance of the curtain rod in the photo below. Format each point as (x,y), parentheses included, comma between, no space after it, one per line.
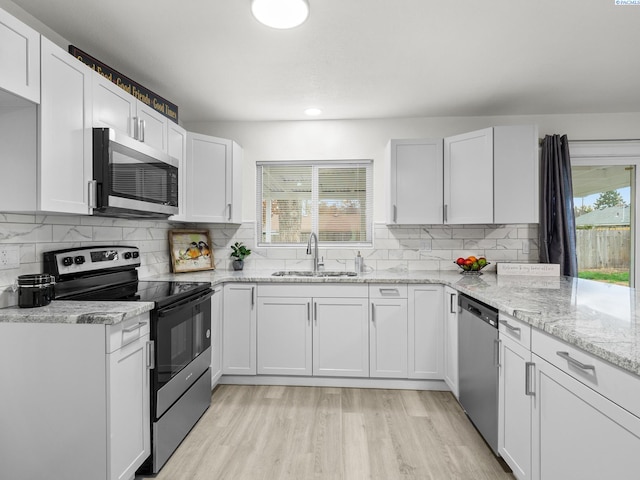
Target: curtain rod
(541,140)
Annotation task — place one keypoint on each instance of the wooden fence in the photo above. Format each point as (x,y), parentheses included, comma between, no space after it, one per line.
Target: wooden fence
(603,248)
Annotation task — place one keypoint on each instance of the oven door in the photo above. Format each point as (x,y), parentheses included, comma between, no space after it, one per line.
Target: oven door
(182,348)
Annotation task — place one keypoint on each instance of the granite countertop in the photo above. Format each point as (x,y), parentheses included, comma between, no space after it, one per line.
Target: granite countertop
(68,311)
(599,318)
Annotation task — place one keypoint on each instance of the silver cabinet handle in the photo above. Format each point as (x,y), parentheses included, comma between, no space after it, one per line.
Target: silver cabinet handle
(575,362)
(389,291)
(309,312)
(510,327)
(136,127)
(373,312)
(93,194)
(253,300)
(151,355)
(445,212)
(496,348)
(528,389)
(452,296)
(135,327)
(141,131)
(395,214)
(229,205)
(315,312)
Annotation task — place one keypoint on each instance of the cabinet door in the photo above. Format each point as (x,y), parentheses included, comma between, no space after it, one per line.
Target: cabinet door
(206,174)
(239,330)
(516,174)
(216,335)
(113,107)
(341,337)
(468,177)
(129,418)
(154,127)
(451,339)
(284,336)
(514,406)
(65,132)
(425,332)
(388,338)
(415,182)
(19,58)
(578,433)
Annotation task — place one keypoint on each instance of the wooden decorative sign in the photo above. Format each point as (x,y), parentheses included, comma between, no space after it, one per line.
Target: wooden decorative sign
(143,94)
(534,269)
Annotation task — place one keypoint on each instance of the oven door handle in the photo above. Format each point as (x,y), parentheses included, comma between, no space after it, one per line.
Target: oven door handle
(189,301)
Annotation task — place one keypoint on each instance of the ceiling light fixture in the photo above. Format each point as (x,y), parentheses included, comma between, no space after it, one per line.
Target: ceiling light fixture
(313,112)
(280,13)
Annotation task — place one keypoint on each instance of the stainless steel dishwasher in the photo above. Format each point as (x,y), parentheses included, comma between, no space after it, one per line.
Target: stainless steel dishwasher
(478,365)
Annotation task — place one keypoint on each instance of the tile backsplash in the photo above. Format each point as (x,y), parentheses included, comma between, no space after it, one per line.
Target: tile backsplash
(423,247)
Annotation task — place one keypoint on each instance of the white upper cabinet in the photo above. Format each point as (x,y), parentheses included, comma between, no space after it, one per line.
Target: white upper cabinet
(19,58)
(414,193)
(516,174)
(213,176)
(65,163)
(115,108)
(468,178)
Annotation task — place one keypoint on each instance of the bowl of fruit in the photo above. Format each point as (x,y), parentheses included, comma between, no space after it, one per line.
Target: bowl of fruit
(471,265)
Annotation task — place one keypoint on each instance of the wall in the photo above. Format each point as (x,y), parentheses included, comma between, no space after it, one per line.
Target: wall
(417,247)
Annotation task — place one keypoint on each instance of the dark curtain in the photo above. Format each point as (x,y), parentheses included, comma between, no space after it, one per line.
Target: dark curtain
(557,219)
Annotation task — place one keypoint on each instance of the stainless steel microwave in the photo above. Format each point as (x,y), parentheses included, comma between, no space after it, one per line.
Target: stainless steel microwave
(132,179)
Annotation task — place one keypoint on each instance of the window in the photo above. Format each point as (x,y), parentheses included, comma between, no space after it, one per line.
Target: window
(332,198)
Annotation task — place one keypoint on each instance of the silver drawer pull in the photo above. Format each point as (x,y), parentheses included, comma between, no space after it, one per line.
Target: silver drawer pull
(135,327)
(389,291)
(510,327)
(575,362)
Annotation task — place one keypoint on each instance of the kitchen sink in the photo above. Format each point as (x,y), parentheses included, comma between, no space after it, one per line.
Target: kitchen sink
(306,273)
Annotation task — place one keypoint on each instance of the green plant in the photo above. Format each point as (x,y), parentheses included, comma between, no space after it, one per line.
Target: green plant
(240,251)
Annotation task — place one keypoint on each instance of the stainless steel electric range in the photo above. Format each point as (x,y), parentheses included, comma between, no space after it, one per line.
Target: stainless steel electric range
(180,330)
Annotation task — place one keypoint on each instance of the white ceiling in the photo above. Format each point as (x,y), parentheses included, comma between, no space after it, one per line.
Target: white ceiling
(365,58)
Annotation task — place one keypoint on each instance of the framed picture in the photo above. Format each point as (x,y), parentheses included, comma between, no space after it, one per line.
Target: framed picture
(190,250)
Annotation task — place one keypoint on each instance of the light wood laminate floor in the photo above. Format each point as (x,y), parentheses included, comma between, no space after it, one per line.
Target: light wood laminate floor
(281,433)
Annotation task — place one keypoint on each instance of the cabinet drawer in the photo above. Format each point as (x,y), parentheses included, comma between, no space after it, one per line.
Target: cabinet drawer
(619,386)
(333,290)
(128,331)
(515,329)
(392,290)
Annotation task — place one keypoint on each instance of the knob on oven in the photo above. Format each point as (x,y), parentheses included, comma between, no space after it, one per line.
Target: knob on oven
(67,261)
(127,255)
(79,260)
(208,333)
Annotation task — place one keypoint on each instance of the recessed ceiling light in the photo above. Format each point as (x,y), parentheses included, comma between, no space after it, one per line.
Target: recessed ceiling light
(280,13)
(313,112)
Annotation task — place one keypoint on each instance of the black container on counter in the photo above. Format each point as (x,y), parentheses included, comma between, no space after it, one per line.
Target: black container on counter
(35,290)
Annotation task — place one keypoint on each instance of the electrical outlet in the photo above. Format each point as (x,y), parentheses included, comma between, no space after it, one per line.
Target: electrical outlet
(9,256)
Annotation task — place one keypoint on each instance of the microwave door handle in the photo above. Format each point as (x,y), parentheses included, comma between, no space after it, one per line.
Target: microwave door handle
(93,194)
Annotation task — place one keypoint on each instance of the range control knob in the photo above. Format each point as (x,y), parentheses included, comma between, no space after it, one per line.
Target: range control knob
(79,260)
(127,255)
(67,261)
(135,254)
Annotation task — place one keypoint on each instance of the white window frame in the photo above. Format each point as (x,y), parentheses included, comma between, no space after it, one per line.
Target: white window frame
(589,153)
(316,165)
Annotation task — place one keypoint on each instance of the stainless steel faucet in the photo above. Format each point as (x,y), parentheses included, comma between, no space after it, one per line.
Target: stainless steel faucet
(316,262)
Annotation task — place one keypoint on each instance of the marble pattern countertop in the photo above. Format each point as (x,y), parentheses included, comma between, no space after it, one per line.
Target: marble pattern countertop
(68,311)
(599,318)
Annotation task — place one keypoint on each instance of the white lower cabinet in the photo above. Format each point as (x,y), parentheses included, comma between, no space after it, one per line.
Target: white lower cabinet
(515,396)
(239,329)
(216,334)
(313,330)
(425,340)
(80,401)
(451,339)
(585,422)
(388,331)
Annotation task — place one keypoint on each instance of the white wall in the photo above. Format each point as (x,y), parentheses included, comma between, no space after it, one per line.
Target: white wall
(317,139)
